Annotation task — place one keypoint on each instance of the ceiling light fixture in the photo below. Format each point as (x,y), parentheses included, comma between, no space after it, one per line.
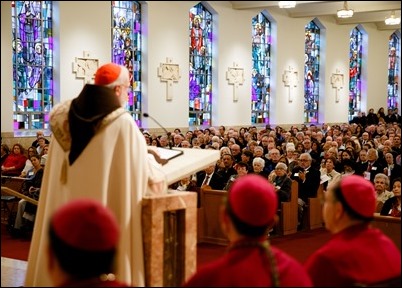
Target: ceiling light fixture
(392,20)
(287,4)
(345,12)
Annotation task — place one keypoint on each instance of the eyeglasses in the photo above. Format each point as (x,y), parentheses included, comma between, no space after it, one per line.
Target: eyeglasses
(304,160)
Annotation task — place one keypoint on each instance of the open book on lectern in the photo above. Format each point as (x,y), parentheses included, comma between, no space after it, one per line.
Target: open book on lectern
(186,161)
(168,154)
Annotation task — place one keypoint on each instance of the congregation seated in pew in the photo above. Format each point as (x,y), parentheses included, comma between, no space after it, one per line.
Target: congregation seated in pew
(392,206)
(26,211)
(281,182)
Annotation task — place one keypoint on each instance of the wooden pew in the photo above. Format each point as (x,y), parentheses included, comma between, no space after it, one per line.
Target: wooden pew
(10,195)
(14,183)
(288,217)
(6,190)
(210,229)
(391,226)
(314,211)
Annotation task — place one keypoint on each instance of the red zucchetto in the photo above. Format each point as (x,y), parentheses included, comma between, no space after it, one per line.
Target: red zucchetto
(359,194)
(107,74)
(253,200)
(86,224)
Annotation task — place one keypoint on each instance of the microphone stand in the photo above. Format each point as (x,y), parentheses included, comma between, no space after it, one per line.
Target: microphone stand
(168,134)
(160,160)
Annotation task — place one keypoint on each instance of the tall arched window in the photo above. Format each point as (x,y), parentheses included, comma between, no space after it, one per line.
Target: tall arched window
(311,72)
(200,72)
(126,50)
(260,77)
(394,50)
(355,65)
(32,64)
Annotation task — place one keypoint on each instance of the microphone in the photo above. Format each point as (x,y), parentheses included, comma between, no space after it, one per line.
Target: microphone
(146,115)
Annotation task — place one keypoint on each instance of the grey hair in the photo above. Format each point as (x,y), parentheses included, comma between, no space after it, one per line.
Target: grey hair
(281,165)
(307,155)
(259,160)
(382,176)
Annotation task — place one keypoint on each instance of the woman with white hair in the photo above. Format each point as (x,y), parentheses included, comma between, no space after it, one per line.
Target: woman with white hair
(258,167)
(282,182)
(381,186)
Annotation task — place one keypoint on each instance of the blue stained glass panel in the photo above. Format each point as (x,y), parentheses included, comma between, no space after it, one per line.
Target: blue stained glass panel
(355,69)
(394,51)
(311,72)
(200,73)
(32,63)
(260,75)
(126,49)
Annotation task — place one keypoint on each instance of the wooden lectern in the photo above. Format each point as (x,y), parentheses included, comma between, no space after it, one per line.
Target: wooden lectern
(169,223)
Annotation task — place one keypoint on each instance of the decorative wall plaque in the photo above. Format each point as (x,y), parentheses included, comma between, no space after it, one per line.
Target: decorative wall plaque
(235,77)
(337,83)
(85,67)
(169,73)
(290,79)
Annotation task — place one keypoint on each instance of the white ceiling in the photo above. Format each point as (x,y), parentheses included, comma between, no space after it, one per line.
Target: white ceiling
(364,11)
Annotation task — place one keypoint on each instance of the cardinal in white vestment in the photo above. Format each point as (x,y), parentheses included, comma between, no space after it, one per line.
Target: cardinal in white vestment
(97,151)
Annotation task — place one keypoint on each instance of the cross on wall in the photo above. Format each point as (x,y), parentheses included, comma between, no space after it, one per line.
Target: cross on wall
(290,79)
(85,67)
(235,77)
(169,73)
(337,83)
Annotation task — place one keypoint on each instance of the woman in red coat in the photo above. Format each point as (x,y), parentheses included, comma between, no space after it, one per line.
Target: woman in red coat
(15,162)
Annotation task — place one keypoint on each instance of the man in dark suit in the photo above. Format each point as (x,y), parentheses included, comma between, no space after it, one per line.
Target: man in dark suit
(392,170)
(308,178)
(226,169)
(374,166)
(361,165)
(210,178)
(396,147)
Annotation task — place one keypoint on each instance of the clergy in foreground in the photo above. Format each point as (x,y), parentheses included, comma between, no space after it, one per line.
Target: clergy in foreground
(83,242)
(98,152)
(357,255)
(251,261)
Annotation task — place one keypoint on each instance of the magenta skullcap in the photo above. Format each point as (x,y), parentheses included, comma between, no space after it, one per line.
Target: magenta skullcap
(86,224)
(253,200)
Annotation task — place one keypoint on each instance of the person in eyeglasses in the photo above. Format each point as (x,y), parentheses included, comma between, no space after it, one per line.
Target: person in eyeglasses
(309,179)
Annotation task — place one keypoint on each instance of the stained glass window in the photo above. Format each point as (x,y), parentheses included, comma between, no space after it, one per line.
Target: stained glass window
(126,50)
(394,50)
(355,66)
(311,72)
(32,64)
(260,75)
(200,74)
